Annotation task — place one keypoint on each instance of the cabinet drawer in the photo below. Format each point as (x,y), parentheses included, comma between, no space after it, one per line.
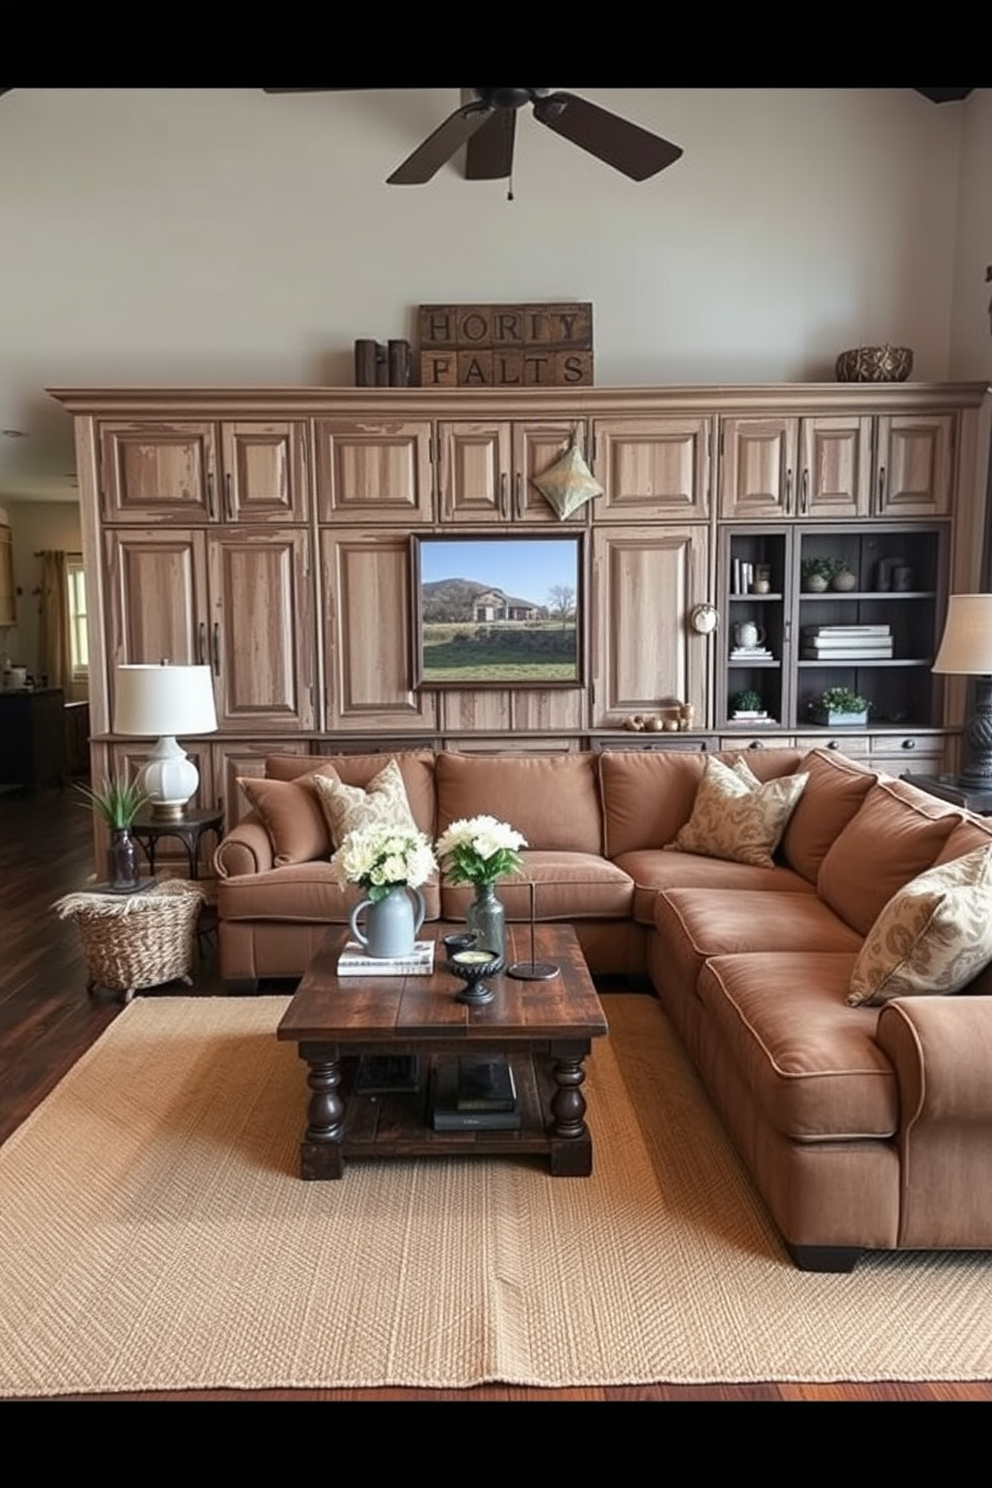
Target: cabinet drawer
(919,754)
(855,745)
(757,741)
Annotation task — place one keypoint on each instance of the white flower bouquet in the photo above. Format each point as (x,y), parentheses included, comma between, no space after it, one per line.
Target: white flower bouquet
(383,858)
(479,850)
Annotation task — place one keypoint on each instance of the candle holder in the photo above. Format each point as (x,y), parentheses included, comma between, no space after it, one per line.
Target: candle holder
(533,971)
(472,967)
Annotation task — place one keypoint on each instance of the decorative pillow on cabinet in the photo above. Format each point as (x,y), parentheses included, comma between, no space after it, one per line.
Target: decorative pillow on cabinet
(568,483)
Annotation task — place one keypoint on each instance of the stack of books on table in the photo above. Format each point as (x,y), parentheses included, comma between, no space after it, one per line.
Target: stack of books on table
(475,1093)
(846,642)
(354,960)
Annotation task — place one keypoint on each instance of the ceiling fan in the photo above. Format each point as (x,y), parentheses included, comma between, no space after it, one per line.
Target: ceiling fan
(486,126)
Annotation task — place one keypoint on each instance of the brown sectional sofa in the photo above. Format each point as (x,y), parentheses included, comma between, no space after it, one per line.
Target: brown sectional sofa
(863,1127)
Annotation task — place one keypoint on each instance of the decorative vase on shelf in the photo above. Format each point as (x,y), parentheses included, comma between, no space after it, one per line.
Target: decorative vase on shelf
(122,861)
(391,923)
(487,918)
(844,581)
(815,583)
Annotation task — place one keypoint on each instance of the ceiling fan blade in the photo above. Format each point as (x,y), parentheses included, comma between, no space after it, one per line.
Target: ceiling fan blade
(489,156)
(617,142)
(438,148)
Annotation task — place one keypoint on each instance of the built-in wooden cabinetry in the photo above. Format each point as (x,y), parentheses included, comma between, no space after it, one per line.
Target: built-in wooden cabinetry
(266,532)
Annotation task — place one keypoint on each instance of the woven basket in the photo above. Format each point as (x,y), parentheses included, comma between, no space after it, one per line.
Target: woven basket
(874,364)
(136,940)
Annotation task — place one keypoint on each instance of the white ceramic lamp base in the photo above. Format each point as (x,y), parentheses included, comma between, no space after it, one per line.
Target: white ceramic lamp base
(169,779)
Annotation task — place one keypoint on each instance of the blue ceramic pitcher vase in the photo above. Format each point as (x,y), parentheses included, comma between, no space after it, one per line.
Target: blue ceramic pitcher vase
(391,923)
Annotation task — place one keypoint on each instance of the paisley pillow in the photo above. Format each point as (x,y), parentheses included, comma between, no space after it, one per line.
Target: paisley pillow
(737,817)
(347,807)
(932,937)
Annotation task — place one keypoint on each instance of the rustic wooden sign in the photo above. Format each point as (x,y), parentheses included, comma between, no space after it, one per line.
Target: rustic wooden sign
(505,345)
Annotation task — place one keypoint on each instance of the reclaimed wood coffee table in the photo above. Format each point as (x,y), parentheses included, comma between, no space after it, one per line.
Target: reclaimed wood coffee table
(544,1028)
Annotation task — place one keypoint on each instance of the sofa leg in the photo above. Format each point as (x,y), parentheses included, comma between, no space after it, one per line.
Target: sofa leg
(824,1257)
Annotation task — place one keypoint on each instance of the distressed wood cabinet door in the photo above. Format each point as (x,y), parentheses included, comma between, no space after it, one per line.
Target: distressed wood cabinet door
(261,642)
(645,582)
(652,468)
(368,634)
(158,472)
(487,470)
(372,472)
(914,465)
(758,459)
(266,471)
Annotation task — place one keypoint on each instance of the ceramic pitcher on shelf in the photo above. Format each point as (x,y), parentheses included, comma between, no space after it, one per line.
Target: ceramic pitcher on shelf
(391,923)
(747,635)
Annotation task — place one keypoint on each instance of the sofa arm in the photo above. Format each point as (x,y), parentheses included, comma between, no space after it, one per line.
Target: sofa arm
(941,1049)
(247,848)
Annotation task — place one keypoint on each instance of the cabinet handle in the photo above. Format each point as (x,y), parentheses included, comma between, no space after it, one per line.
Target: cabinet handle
(503,510)
(833,744)
(881,489)
(788,490)
(211,510)
(756,744)
(228,498)
(201,649)
(216,648)
(518,481)
(908,744)
(804,498)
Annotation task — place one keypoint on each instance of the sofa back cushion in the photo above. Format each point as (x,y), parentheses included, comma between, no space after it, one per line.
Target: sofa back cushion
(836,788)
(970,832)
(416,767)
(895,834)
(648,795)
(552,799)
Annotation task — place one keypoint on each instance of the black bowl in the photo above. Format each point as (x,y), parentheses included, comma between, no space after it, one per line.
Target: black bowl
(472,966)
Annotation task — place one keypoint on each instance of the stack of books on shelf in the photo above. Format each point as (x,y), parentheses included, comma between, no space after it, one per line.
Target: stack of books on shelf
(354,960)
(475,1093)
(846,642)
(742,576)
(751,653)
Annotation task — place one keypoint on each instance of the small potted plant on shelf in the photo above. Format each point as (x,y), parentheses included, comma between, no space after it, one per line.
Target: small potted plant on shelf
(837,706)
(118,800)
(746,706)
(817,572)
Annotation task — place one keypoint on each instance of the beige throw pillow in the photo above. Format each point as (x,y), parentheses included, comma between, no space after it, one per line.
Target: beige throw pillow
(568,483)
(348,807)
(738,818)
(932,937)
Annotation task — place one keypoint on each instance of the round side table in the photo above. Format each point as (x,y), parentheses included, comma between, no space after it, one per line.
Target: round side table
(188,829)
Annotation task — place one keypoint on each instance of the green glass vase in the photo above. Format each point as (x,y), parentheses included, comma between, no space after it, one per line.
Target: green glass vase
(487,918)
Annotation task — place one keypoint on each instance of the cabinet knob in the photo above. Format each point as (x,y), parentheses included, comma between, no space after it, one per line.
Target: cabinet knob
(908,744)
(756,744)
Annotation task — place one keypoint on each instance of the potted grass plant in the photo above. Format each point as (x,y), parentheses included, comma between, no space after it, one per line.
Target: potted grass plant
(117,801)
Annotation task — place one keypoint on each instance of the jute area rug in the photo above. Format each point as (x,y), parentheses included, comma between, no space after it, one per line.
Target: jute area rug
(154,1235)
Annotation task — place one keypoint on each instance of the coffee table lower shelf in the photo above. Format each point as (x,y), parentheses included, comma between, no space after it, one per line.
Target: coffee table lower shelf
(345,1124)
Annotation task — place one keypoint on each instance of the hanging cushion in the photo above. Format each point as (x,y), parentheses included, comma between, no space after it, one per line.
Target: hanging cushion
(568,483)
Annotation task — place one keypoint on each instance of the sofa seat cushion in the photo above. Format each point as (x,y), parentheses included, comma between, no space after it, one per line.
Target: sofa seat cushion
(301,892)
(567,886)
(894,835)
(553,800)
(695,924)
(811,1062)
(653,870)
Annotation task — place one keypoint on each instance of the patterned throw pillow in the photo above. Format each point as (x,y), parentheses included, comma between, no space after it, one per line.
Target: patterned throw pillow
(569,483)
(348,807)
(932,937)
(738,818)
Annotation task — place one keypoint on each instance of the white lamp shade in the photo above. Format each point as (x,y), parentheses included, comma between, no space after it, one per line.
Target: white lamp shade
(164,700)
(966,647)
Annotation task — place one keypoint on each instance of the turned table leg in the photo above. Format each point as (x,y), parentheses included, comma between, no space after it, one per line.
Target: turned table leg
(320,1150)
(571,1143)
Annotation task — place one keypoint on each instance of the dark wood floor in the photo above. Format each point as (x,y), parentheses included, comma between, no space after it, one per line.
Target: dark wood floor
(47,1021)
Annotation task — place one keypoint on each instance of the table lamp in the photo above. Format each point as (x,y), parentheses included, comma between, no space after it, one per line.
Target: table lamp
(966,649)
(161,702)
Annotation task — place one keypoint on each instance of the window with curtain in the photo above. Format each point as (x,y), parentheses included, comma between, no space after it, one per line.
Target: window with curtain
(79,654)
